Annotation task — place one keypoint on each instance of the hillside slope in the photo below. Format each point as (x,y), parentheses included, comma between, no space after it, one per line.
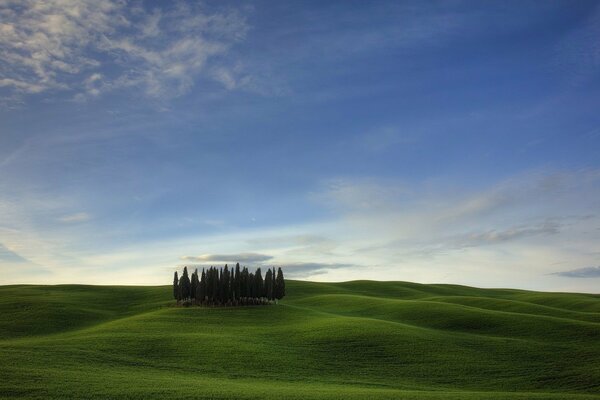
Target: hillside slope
(351,340)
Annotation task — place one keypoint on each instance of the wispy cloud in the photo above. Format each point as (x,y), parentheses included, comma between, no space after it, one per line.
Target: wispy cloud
(293,246)
(9,256)
(461,241)
(307,269)
(386,137)
(293,269)
(443,203)
(77,217)
(362,195)
(288,240)
(240,257)
(499,236)
(88,48)
(587,272)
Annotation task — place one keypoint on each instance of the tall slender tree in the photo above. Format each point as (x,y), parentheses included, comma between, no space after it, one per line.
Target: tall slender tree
(279,285)
(184,284)
(202,287)
(259,283)
(268,284)
(232,285)
(194,285)
(238,283)
(215,284)
(208,284)
(176,287)
(251,285)
(221,285)
(225,284)
(244,283)
(273,283)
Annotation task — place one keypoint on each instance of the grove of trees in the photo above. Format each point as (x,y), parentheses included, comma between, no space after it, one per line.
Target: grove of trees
(228,287)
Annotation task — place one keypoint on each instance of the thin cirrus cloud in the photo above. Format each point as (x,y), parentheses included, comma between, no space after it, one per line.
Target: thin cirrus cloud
(304,269)
(10,256)
(498,236)
(460,242)
(89,48)
(74,218)
(586,272)
(240,257)
(292,269)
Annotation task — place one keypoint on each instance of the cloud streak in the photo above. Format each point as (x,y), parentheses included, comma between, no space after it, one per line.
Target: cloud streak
(587,272)
(306,269)
(77,217)
(240,257)
(9,256)
(499,236)
(458,242)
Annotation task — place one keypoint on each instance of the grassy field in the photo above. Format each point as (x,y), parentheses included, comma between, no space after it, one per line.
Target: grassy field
(353,340)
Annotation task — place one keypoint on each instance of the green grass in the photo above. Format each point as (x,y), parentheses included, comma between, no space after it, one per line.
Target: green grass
(351,340)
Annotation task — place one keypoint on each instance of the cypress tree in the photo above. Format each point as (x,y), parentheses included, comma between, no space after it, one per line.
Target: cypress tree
(215,284)
(268,284)
(194,285)
(247,283)
(238,283)
(251,285)
(244,282)
(209,288)
(273,283)
(184,283)
(225,283)
(259,284)
(279,285)
(208,285)
(176,287)
(232,285)
(202,287)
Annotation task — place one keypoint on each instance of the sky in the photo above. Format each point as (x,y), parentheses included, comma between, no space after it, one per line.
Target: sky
(435,142)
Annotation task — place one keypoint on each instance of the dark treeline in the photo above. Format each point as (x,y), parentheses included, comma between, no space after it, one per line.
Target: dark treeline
(228,287)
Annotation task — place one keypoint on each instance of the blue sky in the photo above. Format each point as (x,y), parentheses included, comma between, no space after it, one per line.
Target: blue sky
(452,142)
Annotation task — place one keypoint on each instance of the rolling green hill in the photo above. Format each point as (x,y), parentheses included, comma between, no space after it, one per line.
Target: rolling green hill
(352,340)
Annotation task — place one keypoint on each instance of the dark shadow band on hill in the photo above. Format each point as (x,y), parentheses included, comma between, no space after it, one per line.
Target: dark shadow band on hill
(228,287)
